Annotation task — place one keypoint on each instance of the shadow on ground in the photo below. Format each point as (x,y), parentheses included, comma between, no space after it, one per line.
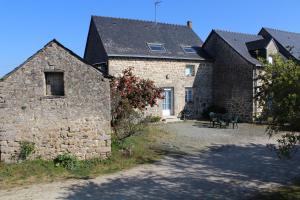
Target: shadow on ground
(221,172)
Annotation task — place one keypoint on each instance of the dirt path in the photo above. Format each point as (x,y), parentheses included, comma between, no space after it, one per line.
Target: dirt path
(236,165)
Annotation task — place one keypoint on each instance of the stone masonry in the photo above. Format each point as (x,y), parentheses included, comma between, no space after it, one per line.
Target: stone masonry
(233,79)
(77,122)
(171,74)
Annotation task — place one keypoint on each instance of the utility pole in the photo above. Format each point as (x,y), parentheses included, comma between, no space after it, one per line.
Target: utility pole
(156,3)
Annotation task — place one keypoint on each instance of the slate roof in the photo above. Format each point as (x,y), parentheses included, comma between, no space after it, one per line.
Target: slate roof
(238,42)
(257,44)
(288,40)
(129,38)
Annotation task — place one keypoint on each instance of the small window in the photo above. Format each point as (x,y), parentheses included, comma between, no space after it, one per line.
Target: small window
(156,47)
(54,83)
(270,60)
(188,49)
(188,95)
(190,70)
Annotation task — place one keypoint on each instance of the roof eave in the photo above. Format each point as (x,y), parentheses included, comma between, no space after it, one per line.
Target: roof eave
(156,57)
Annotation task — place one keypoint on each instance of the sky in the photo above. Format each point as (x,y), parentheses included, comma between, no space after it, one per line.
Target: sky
(27,25)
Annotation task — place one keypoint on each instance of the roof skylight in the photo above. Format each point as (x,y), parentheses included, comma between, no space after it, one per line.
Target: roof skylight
(188,49)
(157,47)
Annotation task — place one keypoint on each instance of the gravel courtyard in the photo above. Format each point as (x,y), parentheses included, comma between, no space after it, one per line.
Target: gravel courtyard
(213,164)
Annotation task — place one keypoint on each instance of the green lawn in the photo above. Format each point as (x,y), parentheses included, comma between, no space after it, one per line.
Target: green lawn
(39,171)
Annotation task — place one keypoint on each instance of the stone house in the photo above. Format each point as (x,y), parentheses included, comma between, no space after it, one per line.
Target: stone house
(236,65)
(170,55)
(59,102)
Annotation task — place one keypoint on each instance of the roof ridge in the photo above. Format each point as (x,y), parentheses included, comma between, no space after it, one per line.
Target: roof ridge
(140,20)
(227,31)
(275,29)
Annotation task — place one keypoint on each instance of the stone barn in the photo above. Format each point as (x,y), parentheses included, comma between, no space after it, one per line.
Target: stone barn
(58,102)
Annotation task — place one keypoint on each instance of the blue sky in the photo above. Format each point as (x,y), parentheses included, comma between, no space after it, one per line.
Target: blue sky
(27,25)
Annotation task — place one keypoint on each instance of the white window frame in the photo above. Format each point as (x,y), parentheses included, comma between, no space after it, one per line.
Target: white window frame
(189,95)
(189,73)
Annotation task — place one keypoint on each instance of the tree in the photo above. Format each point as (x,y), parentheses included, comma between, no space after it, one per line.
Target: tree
(131,96)
(279,95)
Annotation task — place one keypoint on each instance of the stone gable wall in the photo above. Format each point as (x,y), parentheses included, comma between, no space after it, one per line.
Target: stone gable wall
(233,84)
(158,70)
(272,49)
(78,123)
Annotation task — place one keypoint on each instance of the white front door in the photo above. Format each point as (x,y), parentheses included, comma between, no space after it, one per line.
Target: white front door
(168,102)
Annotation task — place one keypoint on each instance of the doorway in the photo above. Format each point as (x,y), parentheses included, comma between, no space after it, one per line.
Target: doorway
(168,102)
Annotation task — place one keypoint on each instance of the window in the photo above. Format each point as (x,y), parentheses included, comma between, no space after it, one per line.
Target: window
(156,47)
(54,83)
(188,95)
(188,49)
(190,70)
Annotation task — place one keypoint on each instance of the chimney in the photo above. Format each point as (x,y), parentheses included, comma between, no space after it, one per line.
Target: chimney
(189,24)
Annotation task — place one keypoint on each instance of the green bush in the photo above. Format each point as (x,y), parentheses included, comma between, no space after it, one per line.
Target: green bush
(131,123)
(214,109)
(26,149)
(68,161)
(152,119)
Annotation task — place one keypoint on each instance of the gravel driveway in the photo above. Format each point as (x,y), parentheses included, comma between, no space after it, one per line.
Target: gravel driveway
(220,164)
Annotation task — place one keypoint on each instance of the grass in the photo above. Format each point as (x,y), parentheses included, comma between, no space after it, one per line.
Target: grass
(41,171)
(291,192)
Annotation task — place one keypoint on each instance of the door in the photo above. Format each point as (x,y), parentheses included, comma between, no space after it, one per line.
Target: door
(168,102)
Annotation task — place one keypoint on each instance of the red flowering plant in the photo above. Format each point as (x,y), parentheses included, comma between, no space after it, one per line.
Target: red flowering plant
(131,96)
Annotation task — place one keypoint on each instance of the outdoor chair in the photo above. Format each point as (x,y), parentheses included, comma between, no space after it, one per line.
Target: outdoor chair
(227,118)
(186,114)
(222,120)
(213,119)
(222,123)
(234,121)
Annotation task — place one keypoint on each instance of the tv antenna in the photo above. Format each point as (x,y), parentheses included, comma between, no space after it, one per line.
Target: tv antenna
(156,4)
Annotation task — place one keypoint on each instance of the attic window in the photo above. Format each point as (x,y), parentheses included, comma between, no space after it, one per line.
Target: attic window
(188,49)
(54,83)
(156,47)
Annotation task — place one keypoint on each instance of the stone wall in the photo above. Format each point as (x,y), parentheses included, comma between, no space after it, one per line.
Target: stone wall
(233,84)
(272,49)
(78,122)
(171,73)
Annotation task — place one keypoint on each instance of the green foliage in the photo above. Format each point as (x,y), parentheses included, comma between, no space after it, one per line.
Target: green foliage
(129,124)
(214,109)
(26,149)
(279,96)
(68,161)
(27,172)
(287,144)
(151,119)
